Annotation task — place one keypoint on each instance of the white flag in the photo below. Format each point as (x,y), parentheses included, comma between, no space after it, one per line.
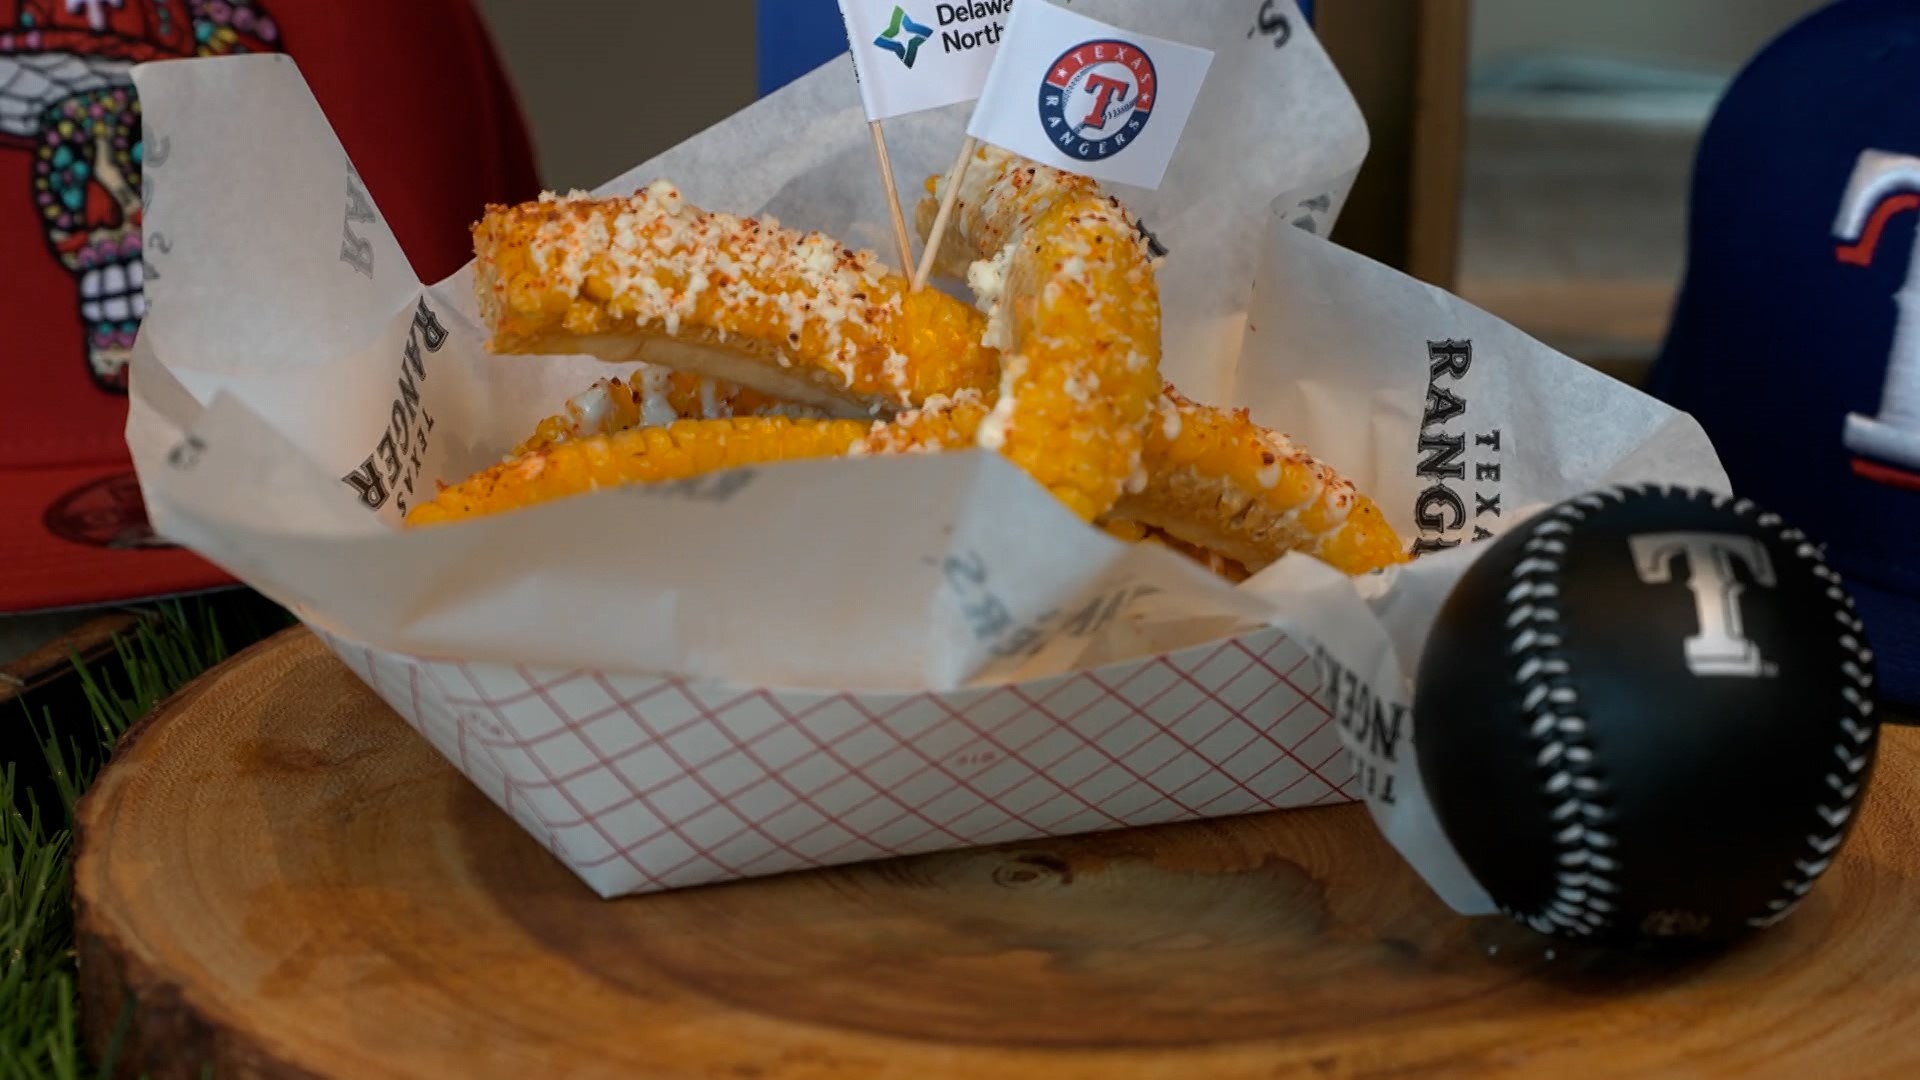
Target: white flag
(921,55)
(1090,98)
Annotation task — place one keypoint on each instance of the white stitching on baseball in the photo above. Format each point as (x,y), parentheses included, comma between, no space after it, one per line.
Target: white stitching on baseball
(1852,752)
(1531,638)
(1586,873)
(1559,731)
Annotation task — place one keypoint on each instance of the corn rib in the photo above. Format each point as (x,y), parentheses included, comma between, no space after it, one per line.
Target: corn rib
(655,397)
(1215,482)
(1073,305)
(1218,486)
(652,278)
(999,194)
(945,424)
(1078,404)
(1220,482)
(575,463)
(643,455)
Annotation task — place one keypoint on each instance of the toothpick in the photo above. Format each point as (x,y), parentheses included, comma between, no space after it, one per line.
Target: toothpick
(893,196)
(940,220)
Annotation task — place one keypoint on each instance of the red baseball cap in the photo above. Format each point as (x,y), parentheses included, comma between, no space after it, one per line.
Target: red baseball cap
(436,135)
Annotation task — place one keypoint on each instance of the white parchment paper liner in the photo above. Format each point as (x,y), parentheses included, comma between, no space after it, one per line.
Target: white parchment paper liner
(829,661)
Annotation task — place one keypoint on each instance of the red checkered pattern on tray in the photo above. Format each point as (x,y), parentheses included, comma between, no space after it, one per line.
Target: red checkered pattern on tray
(642,784)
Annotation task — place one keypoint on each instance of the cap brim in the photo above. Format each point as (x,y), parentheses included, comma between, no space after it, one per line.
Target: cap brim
(77,537)
(1893,631)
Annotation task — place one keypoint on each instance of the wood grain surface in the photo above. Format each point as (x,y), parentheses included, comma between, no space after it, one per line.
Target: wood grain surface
(278,877)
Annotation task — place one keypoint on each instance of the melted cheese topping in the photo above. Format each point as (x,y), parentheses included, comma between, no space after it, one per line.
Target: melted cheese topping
(655,260)
(988,280)
(1336,493)
(656,400)
(993,430)
(591,410)
(1169,418)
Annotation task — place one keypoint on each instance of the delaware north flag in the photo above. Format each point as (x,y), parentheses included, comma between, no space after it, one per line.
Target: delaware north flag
(922,54)
(1089,98)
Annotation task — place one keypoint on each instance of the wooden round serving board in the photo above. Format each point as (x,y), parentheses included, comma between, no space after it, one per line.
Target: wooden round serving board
(283,879)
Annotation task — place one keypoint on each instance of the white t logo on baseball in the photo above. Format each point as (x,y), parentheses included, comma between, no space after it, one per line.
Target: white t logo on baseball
(1721,647)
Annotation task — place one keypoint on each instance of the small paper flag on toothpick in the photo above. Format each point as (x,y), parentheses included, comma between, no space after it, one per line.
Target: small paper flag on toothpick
(907,59)
(1079,95)
(922,55)
(1089,98)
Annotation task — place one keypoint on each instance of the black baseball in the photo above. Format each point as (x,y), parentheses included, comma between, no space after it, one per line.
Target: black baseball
(1647,713)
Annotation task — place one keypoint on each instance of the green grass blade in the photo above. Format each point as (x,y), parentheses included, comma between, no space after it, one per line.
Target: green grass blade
(39,1027)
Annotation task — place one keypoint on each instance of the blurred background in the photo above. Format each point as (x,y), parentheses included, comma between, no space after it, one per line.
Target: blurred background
(1581,121)
(607,86)
(1532,155)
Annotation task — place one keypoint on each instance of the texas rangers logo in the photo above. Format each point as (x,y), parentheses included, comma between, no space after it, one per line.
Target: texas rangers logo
(1722,646)
(1097,98)
(69,114)
(1886,447)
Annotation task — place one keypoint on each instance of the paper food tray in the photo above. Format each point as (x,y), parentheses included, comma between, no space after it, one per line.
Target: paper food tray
(643,784)
(826,662)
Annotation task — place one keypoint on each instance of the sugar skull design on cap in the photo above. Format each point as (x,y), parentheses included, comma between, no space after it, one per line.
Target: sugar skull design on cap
(66,96)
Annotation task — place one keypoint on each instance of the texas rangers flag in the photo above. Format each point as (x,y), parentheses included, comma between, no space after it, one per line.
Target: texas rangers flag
(1089,98)
(919,55)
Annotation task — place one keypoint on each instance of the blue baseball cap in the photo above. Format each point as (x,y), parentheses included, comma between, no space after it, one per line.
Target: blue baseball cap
(1795,340)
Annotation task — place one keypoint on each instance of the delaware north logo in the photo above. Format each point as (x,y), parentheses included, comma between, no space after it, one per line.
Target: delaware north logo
(916,36)
(1097,98)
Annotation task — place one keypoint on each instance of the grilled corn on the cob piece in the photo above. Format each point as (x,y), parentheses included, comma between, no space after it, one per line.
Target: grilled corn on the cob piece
(655,397)
(1074,308)
(650,277)
(574,463)
(643,455)
(945,424)
(998,194)
(1215,480)
(607,406)
(1072,305)
(1218,487)
(1221,482)
(1215,483)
